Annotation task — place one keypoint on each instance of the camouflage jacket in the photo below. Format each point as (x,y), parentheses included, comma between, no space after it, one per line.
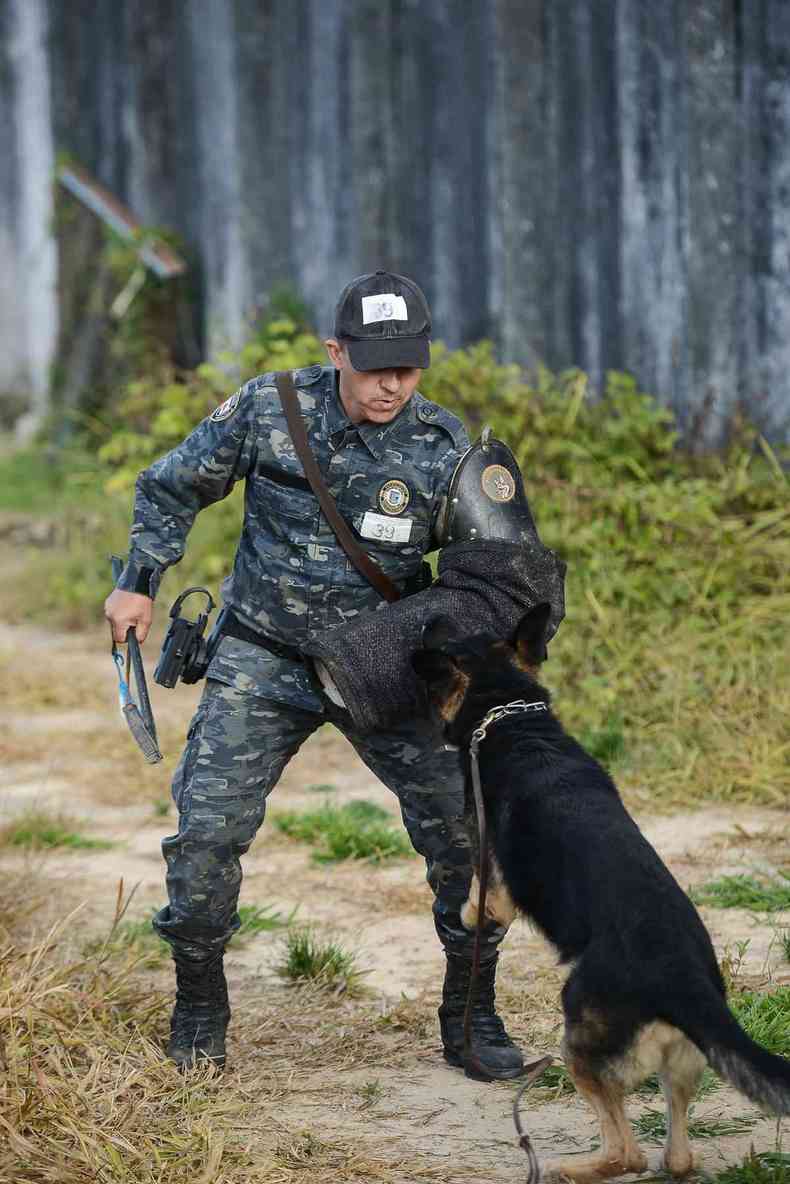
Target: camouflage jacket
(291,579)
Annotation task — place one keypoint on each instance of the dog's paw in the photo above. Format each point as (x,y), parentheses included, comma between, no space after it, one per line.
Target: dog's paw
(678,1163)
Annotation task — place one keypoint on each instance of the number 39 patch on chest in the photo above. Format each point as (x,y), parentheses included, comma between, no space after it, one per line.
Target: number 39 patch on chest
(388,530)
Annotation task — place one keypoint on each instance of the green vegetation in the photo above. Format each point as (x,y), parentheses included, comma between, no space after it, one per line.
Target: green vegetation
(309,958)
(670,663)
(766,1017)
(38,830)
(134,938)
(766,1167)
(744,892)
(652,1125)
(357,830)
(555,1079)
(607,743)
(261,919)
(784,942)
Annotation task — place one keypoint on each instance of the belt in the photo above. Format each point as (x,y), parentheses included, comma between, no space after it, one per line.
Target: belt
(231,626)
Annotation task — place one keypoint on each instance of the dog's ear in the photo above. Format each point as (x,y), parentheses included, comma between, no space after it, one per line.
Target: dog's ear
(530,638)
(437,631)
(432,665)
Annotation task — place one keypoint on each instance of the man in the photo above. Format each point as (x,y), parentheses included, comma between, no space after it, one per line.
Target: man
(387,456)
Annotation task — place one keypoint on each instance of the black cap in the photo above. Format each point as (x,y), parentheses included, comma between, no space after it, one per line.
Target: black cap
(384,320)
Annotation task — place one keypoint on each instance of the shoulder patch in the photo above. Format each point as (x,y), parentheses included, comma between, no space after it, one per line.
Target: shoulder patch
(226,409)
(307,375)
(432,413)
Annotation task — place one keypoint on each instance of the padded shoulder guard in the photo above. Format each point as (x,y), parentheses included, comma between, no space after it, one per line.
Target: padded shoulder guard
(486,498)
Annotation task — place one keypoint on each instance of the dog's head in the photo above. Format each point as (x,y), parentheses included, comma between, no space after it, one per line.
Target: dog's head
(463,677)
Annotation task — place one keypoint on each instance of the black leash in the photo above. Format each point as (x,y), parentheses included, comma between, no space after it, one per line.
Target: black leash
(472,1066)
(533,1072)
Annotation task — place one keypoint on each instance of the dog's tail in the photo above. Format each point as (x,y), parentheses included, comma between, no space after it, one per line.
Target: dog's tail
(704,1016)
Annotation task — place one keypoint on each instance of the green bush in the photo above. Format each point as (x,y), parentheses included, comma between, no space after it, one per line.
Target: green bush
(157,410)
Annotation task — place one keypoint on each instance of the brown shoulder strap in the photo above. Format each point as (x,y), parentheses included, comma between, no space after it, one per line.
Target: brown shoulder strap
(362,562)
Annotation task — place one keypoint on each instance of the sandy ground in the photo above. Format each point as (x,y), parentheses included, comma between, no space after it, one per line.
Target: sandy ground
(379,1077)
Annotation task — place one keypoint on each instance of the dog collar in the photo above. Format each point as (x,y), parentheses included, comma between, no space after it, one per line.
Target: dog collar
(497,713)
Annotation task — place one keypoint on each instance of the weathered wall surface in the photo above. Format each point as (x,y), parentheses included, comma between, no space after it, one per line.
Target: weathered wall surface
(595,182)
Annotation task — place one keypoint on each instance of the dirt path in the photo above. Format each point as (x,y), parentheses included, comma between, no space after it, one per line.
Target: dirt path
(344,1072)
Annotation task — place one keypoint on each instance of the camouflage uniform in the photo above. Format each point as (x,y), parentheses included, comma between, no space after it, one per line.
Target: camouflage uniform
(291,580)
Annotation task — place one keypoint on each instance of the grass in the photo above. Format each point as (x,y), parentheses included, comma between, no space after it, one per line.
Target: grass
(556,1081)
(356,830)
(87,1095)
(744,892)
(140,939)
(40,831)
(136,938)
(261,919)
(766,1017)
(652,1125)
(606,743)
(308,958)
(763,1167)
(784,944)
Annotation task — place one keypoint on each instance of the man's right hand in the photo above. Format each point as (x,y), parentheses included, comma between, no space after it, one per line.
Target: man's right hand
(124,609)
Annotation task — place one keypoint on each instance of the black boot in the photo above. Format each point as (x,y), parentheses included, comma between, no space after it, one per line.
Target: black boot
(201,1014)
(495,1053)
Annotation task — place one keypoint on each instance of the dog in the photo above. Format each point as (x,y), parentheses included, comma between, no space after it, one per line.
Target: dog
(644,993)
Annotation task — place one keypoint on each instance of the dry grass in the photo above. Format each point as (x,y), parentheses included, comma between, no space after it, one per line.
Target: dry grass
(87,1095)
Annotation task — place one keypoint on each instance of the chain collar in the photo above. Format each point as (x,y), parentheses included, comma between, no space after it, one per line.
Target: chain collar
(497,713)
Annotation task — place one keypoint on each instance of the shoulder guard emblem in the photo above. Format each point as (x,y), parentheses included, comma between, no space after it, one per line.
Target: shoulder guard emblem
(498,483)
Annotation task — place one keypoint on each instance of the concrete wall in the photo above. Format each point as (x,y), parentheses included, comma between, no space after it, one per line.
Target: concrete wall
(594,182)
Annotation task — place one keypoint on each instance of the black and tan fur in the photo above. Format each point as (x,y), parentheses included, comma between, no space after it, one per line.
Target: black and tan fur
(644,993)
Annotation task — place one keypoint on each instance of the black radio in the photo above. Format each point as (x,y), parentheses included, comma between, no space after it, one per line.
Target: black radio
(185,654)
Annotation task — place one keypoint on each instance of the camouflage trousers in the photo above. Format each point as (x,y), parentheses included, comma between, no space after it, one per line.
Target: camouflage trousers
(237,746)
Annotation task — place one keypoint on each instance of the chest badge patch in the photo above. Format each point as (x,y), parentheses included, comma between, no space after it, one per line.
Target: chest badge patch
(498,483)
(394,496)
(227,408)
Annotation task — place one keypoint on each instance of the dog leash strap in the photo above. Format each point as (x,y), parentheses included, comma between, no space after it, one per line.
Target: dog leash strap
(469,1059)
